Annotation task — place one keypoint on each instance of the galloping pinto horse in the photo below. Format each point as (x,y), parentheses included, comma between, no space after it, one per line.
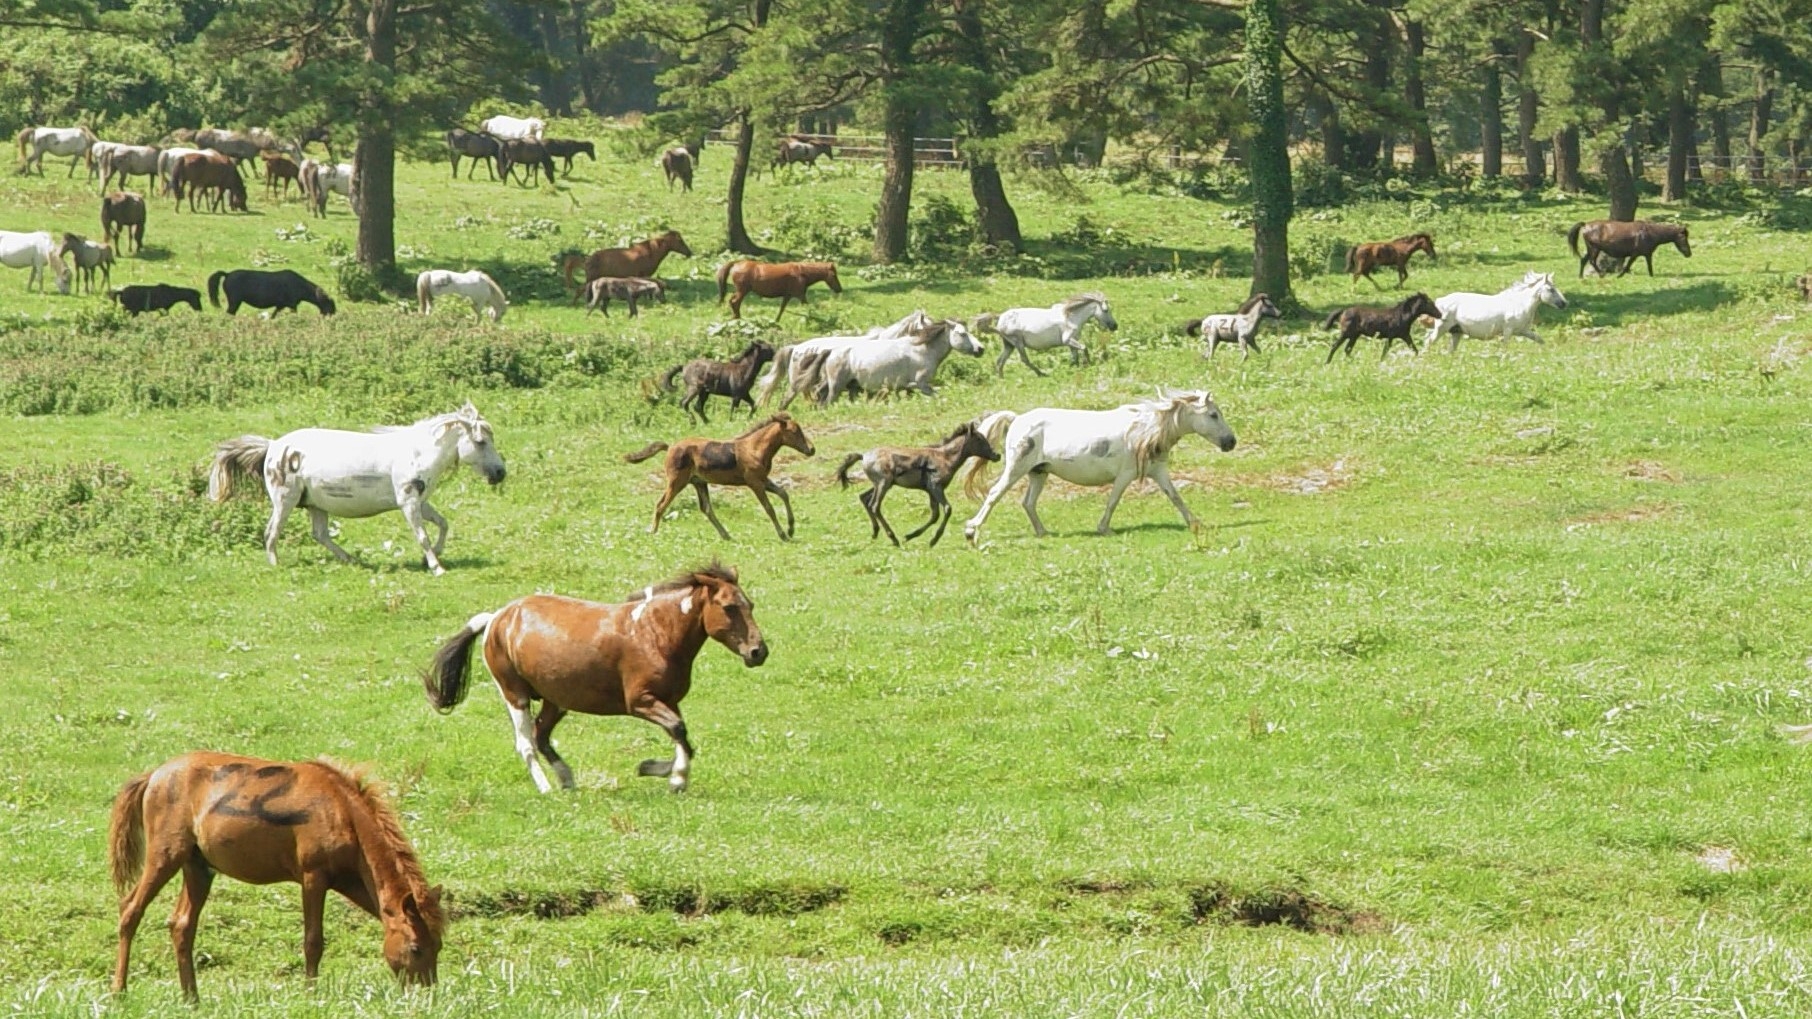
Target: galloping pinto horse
(746,460)
(1625,241)
(263,822)
(636,260)
(633,658)
(785,280)
(1365,259)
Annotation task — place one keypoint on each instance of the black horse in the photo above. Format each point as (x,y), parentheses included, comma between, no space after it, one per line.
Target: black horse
(567,148)
(138,299)
(282,291)
(521,152)
(476,146)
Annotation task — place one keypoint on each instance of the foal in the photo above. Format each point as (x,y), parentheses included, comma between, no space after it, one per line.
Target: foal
(706,378)
(745,460)
(600,292)
(926,468)
(1391,323)
(1240,327)
(1365,259)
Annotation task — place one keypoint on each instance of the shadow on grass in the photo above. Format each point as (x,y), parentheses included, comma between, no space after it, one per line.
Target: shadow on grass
(1615,308)
(153,253)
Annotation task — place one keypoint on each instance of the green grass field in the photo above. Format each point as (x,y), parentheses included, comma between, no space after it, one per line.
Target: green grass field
(1465,702)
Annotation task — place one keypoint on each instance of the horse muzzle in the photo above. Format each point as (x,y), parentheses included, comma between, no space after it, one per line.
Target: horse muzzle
(494,478)
(756,655)
(1227,443)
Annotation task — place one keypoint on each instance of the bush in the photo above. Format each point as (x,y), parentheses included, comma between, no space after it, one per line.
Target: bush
(942,228)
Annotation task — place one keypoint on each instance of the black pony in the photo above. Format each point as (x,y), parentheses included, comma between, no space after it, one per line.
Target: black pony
(282,291)
(138,299)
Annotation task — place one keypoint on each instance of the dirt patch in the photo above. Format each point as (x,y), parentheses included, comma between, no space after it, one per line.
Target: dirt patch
(1650,470)
(1721,860)
(1627,515)
(1280,907)
(683,899)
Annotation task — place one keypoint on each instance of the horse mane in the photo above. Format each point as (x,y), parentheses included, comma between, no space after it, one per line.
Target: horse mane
(931,329)
(1252,302)
(686,581)
(777,418)
(966,426)
(1420,235)
(1087,297)
(376,798)
(1154,429)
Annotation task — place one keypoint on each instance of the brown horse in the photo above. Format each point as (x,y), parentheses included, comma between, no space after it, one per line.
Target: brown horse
(1625,241)
(123,212)
(262,822)
(636,260)
(745,460)
(785,280)
(706,378)
(208,171)
(633,658)
(1365,259)
(1392,323)
(280,168)
(926,468)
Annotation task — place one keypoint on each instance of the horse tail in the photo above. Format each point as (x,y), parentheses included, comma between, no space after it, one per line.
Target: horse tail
(496,294)
(422,293)
(783,366)
(214,287)
(24,137)
(723,279)
(1193,327)
(1573,238)
(1352,259)
(667,379)
(984,323)
(126,834)
(843,468)
(236,460)
(994,428)
(446,680)
(645,452)
(1333,319)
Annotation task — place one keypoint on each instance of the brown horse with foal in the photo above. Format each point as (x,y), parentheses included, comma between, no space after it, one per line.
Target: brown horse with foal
(636,260)
(785,280)
(1625,242)
(1365,259)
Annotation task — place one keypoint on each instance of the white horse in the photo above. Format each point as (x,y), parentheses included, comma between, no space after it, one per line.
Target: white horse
(810,355)
(1239,327)
(902,362)
(473,285)
(125,160)
(1060,325)
(513,128)
(97,150)
(1510,312)
(34,251)
(1096,447)
(53,141)
(358,474)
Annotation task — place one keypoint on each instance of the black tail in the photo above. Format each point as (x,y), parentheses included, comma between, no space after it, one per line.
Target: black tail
(448,674)
(1193,327)
(843,470)
(667,379)
(214,288)
(1333,319)
(1573,238)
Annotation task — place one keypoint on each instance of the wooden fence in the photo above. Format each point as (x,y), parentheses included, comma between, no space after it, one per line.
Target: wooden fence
(865,148)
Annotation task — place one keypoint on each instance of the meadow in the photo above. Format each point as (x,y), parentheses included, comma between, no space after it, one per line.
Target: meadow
(1466,700)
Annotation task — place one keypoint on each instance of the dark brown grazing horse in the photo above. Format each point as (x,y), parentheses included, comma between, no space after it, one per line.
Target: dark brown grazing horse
(263,822)
(208,171)
(633,658)
(1365,259)
(677,163)
(123,212)
(785,280)
(706,378)
(926,468)
(746,460)
(280,168)
(1391,323)
(1625,241)
(527,158)
(636,260)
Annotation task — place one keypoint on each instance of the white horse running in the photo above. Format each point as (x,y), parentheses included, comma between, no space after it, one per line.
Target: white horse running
(73,142)
(513,128)
(1240,327)
(34,251)
(1096,447)
(1060,325)
(473,285)
(1510,312)
(903,362)
(358,474)
(810,356)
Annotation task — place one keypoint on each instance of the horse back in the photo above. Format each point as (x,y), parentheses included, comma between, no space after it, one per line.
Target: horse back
(250,818)
(567,651)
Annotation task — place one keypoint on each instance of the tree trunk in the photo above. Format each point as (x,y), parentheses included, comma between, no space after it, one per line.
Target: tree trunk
(1371,146)
(1272,199)
(737,233)
(999,223)
(1679,142)
(900,26)
(583,61)
(1566,160)
(1619,181)
(1528,111)
(1333,135)
(374,160)
(559,92)
(1758,128)
(1423,162)
(1491,118)
(1711,83)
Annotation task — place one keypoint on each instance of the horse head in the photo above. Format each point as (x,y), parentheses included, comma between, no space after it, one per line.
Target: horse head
(729,615)
(827,271)
(672,241)
(974,442)
(961,339)
(1195,411)
(1542,284)
(476,450)
(791,435)
(1092,305)
(1426,243)
(412,936)
(1680,242)
(1418,305)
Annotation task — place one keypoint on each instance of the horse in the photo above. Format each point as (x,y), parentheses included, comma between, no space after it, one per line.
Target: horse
(123,213)
(706,378)
(811,360)
(237,146)
(283,290)
(801,150)
(473,285)
(97,153)
(1239,327)
(88,256)
(1365,259)
(1060,325)
(904,362)
(73,142)
(126,160)
(641,259)
(334,473)
(785,280)
(678,164)
(600,292)
(477,147)
(166,164)
(318,180)
(633,658)
(1509,312)
(516,153)
(1626,241)
(1095,447)
(926,468)
(1392,323)
(311,822)
(208,171)
(279,167)
(160,297)
(34,251)
(567,148)
(745,460)
(505,128)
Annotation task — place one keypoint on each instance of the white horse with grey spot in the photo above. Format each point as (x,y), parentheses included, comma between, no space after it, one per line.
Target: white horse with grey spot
(1060,325)
(334,473)
(1095,447)
(902,362)
(801,364)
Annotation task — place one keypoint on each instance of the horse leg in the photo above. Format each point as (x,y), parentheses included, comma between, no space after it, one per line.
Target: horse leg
(1034,486)
(941,512)
(524,724)
(868,508)
(1000,363)
(1402,274)
(1335,349)
(761,496)
(704,504)
(409,500)
(1386,351)
(433,516)
(1409,339)
(197,880)
(1010,473)
(783,303)
(283,500)
(668,718)
(550,716)
(881,488)
(1021,347)
(317,523)
(1159,473)
(162,862)
(1105,527)
(1650,259)
(314,910)
(675,482)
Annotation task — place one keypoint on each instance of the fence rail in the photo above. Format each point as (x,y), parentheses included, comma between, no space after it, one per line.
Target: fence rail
(871,147)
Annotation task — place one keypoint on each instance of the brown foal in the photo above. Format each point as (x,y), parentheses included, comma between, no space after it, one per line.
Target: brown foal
(746,460)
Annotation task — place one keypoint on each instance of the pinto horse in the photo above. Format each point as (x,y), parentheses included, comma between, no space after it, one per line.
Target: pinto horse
(1625,241)
(633,658)
(929,469)
(785,280)
(636,260)
(1365,259)
(262,822)
(746,460)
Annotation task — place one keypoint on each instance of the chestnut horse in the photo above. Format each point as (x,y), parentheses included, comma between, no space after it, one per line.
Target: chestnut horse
(1625,241)
(636,260)
(634,658)
(745,460)
(785,280)
(1365,259)
(262,822)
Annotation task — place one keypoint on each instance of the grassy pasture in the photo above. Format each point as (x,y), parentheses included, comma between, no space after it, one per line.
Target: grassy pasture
(1476,667)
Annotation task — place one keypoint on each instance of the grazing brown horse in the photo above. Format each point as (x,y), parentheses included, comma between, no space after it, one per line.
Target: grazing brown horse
(633,658)
(123,212)
(636,260)
(208,171)
(263,822)
(1625,241)
(1391,323)
(706,378)
(745,460)
(785,280)
(926,468)
(677,163)
(1365,259)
